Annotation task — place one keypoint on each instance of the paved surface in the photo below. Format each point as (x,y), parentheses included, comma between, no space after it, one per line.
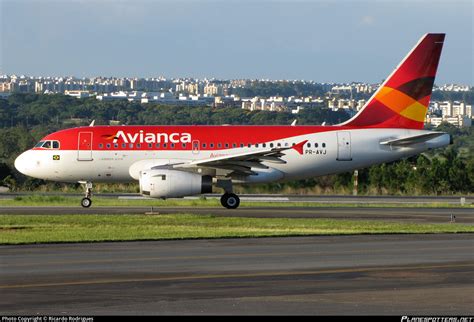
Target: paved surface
(454,200)
(425,215)
(400,275)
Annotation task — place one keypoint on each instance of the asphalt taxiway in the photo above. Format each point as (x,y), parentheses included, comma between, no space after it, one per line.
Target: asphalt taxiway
(326,275)
(408,214)
(400,275)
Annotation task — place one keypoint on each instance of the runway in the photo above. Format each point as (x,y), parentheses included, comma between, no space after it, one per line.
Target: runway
(400,275)
(408,214)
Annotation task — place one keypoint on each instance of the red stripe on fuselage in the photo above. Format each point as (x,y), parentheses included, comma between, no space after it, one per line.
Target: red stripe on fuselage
(103,135)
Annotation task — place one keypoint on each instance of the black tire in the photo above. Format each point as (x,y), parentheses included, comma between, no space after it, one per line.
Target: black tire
(224,200)
(86,202)
(230,200)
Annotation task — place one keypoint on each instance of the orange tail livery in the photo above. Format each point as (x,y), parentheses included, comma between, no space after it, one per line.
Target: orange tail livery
(402,100)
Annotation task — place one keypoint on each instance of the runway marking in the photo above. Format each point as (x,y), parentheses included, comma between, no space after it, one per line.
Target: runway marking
(244,275)
(209,257)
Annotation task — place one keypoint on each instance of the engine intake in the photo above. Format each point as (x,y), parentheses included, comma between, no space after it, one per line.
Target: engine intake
(165,183)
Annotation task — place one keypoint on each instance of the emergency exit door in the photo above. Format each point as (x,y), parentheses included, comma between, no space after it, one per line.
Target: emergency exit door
(195,144)
(344,146)
(84,146)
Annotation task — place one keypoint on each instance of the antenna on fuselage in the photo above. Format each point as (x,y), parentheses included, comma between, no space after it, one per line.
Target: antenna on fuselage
(92,123)
(293,123)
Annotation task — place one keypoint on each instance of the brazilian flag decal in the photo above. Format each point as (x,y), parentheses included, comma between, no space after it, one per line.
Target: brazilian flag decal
(56,157)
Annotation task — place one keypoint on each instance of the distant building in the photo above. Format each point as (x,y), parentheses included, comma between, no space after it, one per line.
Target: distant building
(459,121)
(78,94)
(213,89)
(5,87)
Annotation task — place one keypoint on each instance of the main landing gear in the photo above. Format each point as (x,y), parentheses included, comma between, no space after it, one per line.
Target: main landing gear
(86,202)
(229,199)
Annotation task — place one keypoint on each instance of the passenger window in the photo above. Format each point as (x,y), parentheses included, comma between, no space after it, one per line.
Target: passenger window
(165,145)
(256,145)
(278,144)
(108,145)
(204,145)
(101,146)
(150,145)
(115,145)
(264,145)
(249,145)
(184,145)
(271,145)
(227,145)
(172,145)
(316,145)
(308,145)
(324,145)
(211,145)
(219,145)
(130,145)
(157,145)
(139,146)
(124,145)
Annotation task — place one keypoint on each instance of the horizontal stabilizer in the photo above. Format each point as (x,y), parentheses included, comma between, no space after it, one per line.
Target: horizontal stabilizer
(406,141)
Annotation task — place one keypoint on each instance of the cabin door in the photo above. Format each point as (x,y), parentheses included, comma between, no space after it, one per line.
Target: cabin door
(344,146)
(84,146)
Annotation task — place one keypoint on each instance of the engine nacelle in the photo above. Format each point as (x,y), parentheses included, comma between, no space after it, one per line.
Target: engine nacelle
(165,183)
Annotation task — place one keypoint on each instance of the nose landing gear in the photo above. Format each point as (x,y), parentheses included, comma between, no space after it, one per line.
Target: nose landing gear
(86,202)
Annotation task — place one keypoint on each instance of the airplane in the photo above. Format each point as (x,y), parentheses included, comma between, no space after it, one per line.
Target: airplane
(178,161)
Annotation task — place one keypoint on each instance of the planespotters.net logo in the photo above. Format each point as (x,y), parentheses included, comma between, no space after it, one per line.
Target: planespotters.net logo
(147,137)
(437,319)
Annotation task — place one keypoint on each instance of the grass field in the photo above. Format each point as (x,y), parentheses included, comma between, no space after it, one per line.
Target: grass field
(30,229)
(38,200)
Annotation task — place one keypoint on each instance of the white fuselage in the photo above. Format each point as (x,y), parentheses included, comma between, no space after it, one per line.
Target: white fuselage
(325,153)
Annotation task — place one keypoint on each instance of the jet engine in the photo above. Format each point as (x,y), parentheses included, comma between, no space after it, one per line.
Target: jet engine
(158,183)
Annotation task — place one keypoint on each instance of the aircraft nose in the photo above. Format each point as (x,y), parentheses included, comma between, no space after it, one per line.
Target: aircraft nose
(23,163)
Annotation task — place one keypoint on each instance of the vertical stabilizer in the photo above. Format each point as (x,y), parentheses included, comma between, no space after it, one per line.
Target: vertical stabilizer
(402,100)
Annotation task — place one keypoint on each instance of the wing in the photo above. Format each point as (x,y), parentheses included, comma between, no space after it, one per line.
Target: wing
(242,163)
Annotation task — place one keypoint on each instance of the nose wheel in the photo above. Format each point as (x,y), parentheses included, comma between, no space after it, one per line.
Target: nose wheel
(230,200)
(86,202)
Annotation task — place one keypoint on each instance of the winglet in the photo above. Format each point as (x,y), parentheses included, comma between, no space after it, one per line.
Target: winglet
(299,147)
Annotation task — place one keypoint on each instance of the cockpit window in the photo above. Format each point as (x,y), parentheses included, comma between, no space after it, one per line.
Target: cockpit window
(48,145)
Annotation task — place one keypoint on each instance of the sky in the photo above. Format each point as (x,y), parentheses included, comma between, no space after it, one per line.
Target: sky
(324,41)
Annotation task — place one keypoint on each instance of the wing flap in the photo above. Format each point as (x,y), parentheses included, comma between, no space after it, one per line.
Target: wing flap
(242,163)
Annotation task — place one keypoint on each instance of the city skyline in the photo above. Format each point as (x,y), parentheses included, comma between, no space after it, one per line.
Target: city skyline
(323,41)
